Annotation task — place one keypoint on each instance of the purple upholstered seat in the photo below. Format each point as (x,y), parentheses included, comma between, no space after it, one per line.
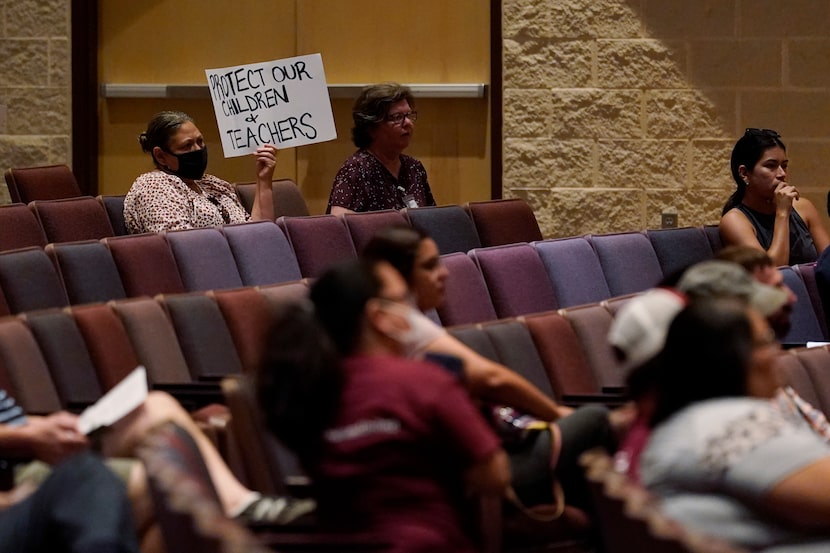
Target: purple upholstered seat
(574,271)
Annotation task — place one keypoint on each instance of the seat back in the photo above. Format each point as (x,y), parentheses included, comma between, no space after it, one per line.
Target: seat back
(449,225)
(204,259)
(363,226)
(805,325)
(628,262)
(23,368)
(258,447)
(30,281)
(114,206)
(793,373)
(591,324)
(288,200)
(807,272)
(679,248)
(19,228)
(561,352)
(146,264)
(87,270)
(154,340)
(516,279)
(515,349)
(262,253)
(319,242)
(203,335)
(72,219)
(107,341)
(49,182)
(501,222)
(816,362)
(248,315)
(467,300)
(712,233)
(574,271)
(67,357)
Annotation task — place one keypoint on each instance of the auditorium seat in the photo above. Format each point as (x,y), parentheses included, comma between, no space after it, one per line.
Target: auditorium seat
(23,370)
(203,335)
(30,281)
(87,270)
(805,324)
(816,361)
(72,219)
(501,222)
(562,353)
(286,291)
(146,264)
(318,241)
(793,373)
(204,259)
(248,315)
(466,297)
(712,233)
(449,225)
(516,279)
(628,262)
(114,206)
(363,226)
(19,228)
(574,271)
(107,341)
(807,272)
(262,253)
(515,349)
(47,182)
(679,248)
(591,324)
(287,197)
(67,357)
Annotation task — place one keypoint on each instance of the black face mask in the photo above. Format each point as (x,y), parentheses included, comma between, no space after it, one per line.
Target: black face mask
(192,164)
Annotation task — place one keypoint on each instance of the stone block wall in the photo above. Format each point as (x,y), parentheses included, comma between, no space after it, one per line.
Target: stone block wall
(618,110)
(35,84)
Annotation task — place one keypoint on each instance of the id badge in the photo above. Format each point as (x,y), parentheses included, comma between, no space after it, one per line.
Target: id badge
(409,201)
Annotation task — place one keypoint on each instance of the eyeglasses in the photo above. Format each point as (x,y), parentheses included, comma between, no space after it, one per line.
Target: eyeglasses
(222,209)
(762,132)
(397,118)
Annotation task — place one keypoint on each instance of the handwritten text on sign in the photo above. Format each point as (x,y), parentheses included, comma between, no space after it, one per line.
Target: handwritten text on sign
(283,102)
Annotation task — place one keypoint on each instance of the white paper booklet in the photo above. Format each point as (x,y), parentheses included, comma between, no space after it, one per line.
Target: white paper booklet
(117,403)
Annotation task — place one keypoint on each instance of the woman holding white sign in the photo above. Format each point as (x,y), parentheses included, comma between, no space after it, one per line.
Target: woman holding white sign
(379,176)
(178,194)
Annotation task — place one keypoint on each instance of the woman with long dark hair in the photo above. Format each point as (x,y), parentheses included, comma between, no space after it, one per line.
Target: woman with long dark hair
(766,211)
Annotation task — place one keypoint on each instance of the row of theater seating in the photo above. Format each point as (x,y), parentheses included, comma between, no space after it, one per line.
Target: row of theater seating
(86,218)
(484,283)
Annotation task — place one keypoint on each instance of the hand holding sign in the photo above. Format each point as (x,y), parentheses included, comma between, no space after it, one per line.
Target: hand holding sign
(283,102)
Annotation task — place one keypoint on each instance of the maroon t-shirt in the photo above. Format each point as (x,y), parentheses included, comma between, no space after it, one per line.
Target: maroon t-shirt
(394,460)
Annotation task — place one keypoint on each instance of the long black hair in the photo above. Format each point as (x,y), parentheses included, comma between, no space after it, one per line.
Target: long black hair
(707,355)
(299,380)
(747,152)
(397,245)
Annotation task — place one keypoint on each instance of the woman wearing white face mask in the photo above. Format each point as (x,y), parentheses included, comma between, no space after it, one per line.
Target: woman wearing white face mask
(390,442)
(178,194)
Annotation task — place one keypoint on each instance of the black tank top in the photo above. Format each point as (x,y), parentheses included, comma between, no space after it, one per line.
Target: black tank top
(802,248)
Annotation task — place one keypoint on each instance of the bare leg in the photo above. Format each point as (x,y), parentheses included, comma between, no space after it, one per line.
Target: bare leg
(127,434)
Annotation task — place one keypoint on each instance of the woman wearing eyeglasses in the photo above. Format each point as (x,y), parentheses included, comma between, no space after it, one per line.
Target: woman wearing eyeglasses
(178,194)
(378,175)
(765,211)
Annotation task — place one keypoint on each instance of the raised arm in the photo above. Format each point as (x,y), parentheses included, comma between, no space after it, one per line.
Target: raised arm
(735,228)
(266,162)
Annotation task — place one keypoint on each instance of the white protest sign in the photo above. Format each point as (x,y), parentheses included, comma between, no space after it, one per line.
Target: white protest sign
(282,102)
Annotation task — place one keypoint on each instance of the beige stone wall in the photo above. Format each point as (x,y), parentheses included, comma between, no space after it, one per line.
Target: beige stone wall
(35,84)
(618,110)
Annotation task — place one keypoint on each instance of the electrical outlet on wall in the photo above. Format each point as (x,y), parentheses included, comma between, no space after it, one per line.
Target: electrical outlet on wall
(668,219)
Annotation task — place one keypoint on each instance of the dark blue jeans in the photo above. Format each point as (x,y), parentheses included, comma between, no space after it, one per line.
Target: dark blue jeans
(81,508)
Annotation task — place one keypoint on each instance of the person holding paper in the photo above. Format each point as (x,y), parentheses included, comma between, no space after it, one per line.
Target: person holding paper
(178,194)
(378,175)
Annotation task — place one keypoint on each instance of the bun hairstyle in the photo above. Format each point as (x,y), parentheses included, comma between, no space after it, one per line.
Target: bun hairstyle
(160,130)
(372,106)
